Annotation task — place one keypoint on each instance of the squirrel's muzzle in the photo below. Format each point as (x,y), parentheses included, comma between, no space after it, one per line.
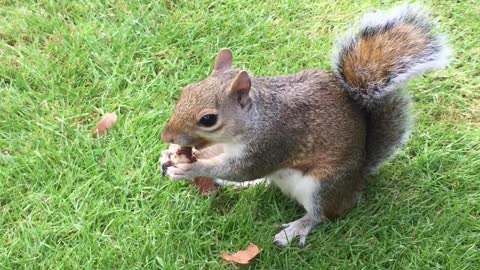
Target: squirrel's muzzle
(167,136)
(171,136)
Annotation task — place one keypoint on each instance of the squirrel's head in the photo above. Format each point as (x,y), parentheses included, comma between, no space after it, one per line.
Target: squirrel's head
(211,111)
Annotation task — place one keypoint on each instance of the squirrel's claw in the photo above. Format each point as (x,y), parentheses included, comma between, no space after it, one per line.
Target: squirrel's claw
(177,173)
(182,171)
(165,161)
(174,165)
(299,228)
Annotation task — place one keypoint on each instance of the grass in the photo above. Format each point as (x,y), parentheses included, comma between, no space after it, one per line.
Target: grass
(70,201)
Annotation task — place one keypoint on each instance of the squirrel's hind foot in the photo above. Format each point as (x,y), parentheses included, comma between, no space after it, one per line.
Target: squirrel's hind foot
(299,228)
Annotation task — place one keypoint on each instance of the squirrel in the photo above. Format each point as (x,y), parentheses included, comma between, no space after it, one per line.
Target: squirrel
(317,135)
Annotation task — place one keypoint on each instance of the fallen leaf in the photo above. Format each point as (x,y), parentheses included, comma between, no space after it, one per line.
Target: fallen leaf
(206,185)
(106,123)
(243,256)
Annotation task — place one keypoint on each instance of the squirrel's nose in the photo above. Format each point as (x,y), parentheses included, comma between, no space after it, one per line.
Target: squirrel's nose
(167,136)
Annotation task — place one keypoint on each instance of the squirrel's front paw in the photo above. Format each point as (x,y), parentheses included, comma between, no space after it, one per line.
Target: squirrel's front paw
(166,160)
(173,157)
(181,171)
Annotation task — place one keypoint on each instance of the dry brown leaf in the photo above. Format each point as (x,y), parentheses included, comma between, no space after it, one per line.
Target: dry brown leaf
(243,256)
(106,123)
(206,185)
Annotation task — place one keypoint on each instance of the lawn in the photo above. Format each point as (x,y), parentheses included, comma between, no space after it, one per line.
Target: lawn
(70,201)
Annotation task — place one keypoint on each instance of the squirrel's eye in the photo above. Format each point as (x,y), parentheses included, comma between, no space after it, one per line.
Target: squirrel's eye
(208,120)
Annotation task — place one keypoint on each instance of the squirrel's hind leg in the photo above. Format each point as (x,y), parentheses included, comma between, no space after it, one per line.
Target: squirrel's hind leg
(322,198)
(302,188)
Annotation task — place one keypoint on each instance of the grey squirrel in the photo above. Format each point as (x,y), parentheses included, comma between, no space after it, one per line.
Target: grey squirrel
(316,135)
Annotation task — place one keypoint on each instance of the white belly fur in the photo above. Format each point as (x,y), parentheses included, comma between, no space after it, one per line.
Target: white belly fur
(296,185)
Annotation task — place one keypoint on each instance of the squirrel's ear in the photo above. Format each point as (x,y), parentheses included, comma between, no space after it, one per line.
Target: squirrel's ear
(240,88)
(223,62)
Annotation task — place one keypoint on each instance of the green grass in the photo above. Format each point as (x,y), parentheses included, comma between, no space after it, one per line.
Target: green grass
(70,201)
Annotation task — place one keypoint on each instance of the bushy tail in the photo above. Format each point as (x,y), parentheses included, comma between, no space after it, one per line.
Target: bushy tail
(373,64)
